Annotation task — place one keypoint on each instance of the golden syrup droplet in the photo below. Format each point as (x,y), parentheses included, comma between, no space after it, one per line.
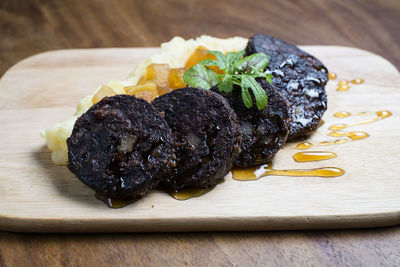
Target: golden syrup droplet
(189,192)
(304,145)
(357,135)
(342,114)
(326,172)
(339,126)
(115,203)
(247,174)
(365,122)
(382,114)
(321,122)
(332,75)
(337,134)
(357,81)
(255,173)
(313,156)
(343,82)
(343,88)
(333,142)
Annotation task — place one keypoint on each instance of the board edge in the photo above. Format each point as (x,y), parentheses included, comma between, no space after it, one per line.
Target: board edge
(261,223)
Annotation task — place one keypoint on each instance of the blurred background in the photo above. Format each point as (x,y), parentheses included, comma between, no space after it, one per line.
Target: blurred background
(30,27)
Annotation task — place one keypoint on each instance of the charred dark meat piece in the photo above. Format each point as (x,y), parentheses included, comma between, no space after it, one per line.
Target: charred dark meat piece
(121,147)
(265,131)
(299,76)
(206,133)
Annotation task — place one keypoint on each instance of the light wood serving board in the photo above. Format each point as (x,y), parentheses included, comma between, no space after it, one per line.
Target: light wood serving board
(38,196)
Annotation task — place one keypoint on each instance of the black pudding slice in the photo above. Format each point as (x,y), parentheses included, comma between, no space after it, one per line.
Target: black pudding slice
(121,147)
(299,76)
(206,134)
(264,132)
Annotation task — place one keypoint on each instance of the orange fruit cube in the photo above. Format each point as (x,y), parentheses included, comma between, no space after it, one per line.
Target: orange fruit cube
(147,91)
(104,91)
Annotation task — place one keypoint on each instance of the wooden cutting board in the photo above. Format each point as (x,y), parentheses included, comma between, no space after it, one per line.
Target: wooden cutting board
(38,196)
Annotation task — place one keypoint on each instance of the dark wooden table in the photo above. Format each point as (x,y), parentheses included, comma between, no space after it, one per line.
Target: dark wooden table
(30,27)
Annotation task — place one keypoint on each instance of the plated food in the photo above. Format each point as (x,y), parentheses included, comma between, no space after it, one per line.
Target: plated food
(206,113)
(206,135)
(300,77)
(173,57)
(121,147)
(264,131)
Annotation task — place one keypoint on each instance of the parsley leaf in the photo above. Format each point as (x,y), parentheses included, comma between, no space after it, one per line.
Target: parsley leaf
(256,62)
(200,76)
(237,71)
(226,83)
(249,81)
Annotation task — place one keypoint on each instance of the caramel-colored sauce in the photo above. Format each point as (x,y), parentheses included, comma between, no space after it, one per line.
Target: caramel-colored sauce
(339,126)
(189,192)
(357,81)
(380,115)
(356,135)
(349,136)
(343,88)
(333,142)
(114,202)
(332,75)
(313,156)
(342,114)
(304,145)
(343,85)
(255,173)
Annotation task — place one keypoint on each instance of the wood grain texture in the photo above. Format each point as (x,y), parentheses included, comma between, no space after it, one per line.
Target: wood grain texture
(44,88)
(29,27)
(370,247)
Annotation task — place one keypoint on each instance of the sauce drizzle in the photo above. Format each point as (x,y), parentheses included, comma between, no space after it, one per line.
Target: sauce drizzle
(348,136)
(342,114)
(332,75)
(333,142)
(342,88)
(339,126)
(356,135)
(313,156)
(380,115)
(255,173)
(189,192)
(304,145)
(114,203)
(357,81)
(343,85)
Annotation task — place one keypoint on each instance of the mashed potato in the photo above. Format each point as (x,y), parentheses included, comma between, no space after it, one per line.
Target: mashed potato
(175,53)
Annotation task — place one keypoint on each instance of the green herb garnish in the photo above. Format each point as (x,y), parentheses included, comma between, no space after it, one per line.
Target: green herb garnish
(237,71)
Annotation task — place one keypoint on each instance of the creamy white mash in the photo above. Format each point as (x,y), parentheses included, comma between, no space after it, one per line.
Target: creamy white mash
(175,53)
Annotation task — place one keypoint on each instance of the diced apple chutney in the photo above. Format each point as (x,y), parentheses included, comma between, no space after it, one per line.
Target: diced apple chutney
(165,79)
